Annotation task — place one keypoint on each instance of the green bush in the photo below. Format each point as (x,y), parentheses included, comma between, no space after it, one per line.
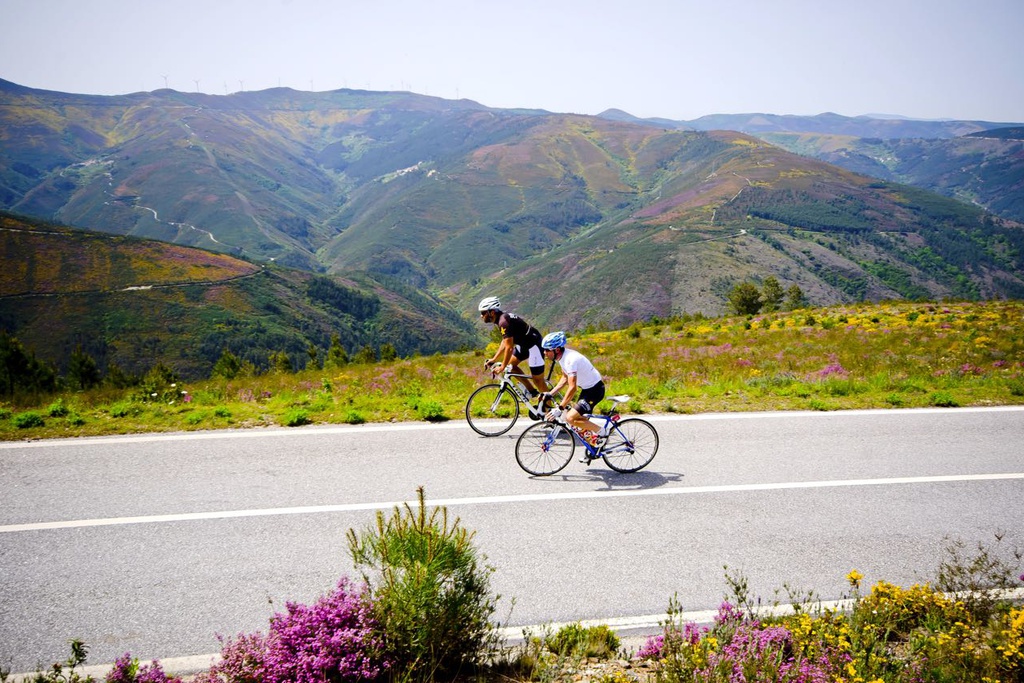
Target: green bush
(551,656)
(28,419)
(57,409)
(296,417)
(430,591)
(431,411)
(354,417)
(124,409)
(578,641)
(943,399)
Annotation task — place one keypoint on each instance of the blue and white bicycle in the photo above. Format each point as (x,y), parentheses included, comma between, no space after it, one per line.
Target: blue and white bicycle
(547,447)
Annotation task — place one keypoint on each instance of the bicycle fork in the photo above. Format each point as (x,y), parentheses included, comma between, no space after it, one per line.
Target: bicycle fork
(496,401)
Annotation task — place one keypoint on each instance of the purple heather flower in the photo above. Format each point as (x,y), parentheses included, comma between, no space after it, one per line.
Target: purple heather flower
(728,613)
(331,640)
(653,647)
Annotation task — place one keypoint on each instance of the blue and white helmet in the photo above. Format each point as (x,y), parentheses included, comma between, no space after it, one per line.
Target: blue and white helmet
(554,340)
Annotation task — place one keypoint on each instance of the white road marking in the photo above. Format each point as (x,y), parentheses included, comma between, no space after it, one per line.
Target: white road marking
(318,430)
(504,500)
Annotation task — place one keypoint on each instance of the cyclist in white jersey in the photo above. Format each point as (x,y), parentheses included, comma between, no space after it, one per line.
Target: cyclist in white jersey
(577,373)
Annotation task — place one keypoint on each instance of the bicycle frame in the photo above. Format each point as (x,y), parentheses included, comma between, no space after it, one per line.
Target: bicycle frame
(516,388)
(503,399)
(612,418)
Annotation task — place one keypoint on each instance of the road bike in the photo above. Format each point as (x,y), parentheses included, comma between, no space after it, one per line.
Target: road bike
(547,447)
(493,408)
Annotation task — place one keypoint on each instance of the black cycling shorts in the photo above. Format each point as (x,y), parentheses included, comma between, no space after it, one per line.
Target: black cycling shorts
(589,398)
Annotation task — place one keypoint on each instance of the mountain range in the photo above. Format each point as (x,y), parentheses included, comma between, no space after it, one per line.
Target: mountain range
(572,220)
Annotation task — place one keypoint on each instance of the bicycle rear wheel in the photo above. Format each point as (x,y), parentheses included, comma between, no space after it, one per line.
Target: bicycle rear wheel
(545,448)
(631,445)
(492,410)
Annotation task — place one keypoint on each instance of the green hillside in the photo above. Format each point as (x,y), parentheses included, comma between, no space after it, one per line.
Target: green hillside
(750,210)
(573,220)
(984,168)
(135,303)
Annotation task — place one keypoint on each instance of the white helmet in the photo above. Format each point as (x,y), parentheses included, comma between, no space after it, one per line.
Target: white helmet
(490,303)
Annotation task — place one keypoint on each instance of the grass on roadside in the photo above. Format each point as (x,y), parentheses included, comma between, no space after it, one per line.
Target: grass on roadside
(890,355)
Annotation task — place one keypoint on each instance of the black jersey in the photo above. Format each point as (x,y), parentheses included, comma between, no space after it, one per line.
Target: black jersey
(518,330)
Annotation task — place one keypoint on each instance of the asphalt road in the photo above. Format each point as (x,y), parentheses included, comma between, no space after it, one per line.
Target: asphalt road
(153,545)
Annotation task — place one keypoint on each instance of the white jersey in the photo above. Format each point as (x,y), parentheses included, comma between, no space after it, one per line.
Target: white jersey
(575,363)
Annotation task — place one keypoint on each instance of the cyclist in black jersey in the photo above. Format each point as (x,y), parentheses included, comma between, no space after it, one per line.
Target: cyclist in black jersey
(519,341)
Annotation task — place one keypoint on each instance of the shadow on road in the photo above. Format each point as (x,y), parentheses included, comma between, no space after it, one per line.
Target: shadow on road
(614,481)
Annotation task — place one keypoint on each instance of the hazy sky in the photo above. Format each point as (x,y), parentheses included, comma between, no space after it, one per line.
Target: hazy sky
(676,59)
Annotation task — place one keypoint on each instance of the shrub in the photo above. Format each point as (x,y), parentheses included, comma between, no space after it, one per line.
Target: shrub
(745,299)
(890,612)
(943,399)
(388,353)
(83,373)
(1016,387)
(160,385)
(57,409)
(123,409)
(20,370)
(296,417)
(127,670)
(332,641)
(578,641)
(354,417)
(227,366)
(972,575)
(551,656)
(64,672)
(28,419)
(430,591)
(431,411)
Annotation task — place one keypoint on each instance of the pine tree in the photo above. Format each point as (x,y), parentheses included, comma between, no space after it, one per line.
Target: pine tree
(83,373)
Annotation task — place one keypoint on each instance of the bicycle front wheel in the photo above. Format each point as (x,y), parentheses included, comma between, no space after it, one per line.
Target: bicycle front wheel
(631,445)
(545,448)
(492,410)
